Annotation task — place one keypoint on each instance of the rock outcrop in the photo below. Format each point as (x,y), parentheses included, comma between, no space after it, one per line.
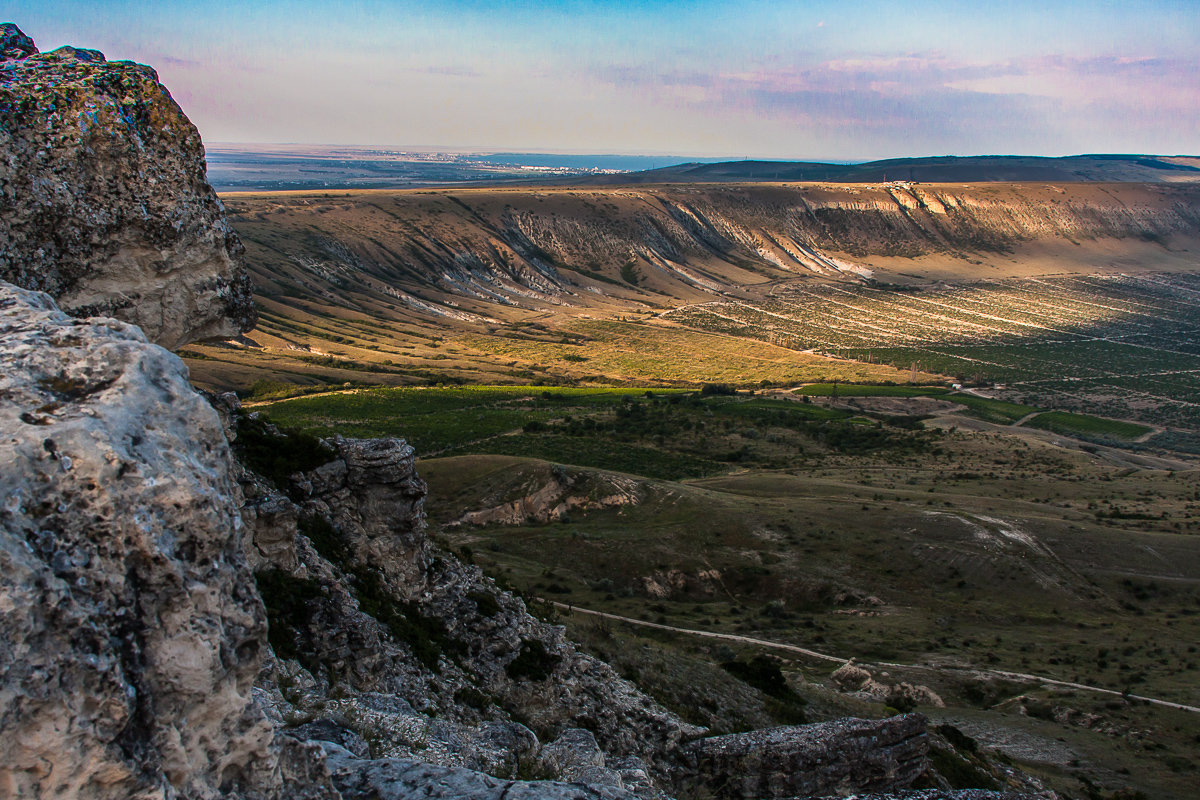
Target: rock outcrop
(130,631)
(401,779)
(409,649)
(832,758)
(850,677)
(104,202)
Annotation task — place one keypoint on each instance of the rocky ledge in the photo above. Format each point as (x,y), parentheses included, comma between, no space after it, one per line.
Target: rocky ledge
(104,203)
(837,757)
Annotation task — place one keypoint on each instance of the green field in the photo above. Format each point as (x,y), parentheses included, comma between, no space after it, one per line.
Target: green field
(868,390)
(998,411)
(1088,426)
(439,418)
(670,434)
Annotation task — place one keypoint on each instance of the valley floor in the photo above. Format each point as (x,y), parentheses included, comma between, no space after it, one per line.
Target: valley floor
(890,523)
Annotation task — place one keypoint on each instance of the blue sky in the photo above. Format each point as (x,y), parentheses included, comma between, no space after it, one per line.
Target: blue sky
(835,80)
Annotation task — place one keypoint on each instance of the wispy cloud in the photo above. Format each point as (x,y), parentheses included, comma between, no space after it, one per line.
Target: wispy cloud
(898,94)
(453,72)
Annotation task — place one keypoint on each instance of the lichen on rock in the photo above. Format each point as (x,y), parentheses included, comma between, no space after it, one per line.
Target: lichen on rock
(104,203)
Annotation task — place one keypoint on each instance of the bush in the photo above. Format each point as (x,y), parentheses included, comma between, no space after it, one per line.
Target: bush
(763,673)
(325,538)
(426,636)
(486,603)
(958,771)
(470,696)
(275,456)
(629,273)
(286,599)
(533,662)
(957,738)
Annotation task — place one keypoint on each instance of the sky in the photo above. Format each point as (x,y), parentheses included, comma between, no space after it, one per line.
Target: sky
(797,80)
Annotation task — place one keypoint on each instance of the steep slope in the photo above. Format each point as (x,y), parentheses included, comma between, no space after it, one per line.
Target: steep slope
(484,269)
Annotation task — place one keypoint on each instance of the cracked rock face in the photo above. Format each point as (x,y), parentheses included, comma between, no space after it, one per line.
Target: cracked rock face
(130,630)
(402,779)
(811,760)
(104,203)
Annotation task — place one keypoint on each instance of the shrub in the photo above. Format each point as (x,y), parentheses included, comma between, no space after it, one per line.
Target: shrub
(275,456)
(533,662)
(426,636)
(325,538)
(762,673)
(958,771)
(486,603)
(470,696)
(286,599)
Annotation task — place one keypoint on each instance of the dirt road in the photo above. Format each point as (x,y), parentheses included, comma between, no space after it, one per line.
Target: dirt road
(791,648)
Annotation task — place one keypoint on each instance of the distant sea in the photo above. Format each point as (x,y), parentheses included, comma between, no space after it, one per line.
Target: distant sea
(265,167)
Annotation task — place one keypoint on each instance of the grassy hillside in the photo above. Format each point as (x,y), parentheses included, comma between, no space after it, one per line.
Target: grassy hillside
(891,524)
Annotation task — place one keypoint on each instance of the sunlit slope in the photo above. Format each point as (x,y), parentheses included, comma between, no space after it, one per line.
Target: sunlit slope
(496,284)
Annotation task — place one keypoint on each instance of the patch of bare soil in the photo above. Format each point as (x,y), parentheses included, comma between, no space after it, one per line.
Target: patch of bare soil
(1014,741)
(900,406)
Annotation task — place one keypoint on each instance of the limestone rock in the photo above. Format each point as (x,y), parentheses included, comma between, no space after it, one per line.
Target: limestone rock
(839,757)
(575,756)
(850,677)
(130,634)
(104,203)
(14,43)
(402,779)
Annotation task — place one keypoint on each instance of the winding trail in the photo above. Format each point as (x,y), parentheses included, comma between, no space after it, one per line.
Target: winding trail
(791,648)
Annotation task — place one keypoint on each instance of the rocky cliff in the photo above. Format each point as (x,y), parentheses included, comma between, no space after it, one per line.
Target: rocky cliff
(103,198)
(463,254)
(403,647)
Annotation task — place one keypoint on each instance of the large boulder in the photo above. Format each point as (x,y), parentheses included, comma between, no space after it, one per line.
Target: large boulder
(130,629)
(104,203)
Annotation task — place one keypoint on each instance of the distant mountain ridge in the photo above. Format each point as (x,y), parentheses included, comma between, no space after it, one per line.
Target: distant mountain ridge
(1134,168)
